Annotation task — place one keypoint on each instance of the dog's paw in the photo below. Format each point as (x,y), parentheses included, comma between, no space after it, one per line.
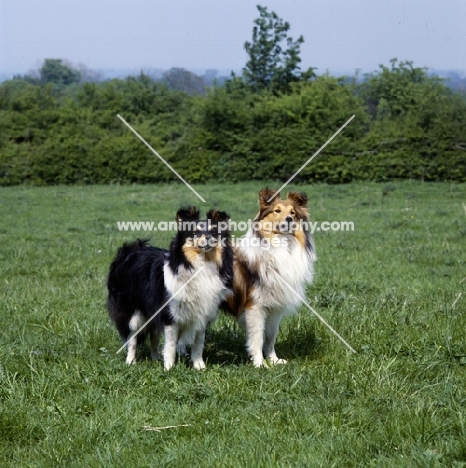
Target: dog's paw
(278,361)
(155,356)
(168,364)
(261,363)
(130,360)
(199,365)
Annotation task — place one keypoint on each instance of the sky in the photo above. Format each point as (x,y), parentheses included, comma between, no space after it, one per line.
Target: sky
(340,36)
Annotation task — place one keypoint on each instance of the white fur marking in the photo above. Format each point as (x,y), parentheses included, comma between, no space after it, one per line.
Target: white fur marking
(194,307)
(136,322)
(271,297)
(169,348)
(196,350)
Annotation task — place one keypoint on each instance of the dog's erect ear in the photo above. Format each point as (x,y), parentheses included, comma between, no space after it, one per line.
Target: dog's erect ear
(188,214)
(220,219)
(217,216)
(299,198)
(265,195)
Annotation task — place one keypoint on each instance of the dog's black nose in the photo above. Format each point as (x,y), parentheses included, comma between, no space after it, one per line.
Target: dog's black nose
(288,219)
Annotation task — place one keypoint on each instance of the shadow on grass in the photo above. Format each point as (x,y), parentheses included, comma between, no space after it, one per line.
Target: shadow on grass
(225,345)
(302,344)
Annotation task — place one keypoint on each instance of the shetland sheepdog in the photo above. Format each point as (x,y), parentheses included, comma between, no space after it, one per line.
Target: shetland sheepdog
(185,284)
(272,265)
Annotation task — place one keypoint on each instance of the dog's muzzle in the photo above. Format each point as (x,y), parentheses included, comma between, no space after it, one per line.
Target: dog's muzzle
(286,225)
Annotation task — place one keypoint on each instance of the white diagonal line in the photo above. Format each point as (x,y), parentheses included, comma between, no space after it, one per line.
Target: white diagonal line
(169,300)
(158,155)
(310,159)
(319,316)
(456,300)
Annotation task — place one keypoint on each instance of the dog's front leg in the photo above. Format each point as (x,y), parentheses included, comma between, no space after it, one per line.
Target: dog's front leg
(169,347)
(196,350)
(255,326)
(272,323)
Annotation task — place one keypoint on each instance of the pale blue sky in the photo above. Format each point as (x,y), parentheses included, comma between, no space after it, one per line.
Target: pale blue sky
(340,36)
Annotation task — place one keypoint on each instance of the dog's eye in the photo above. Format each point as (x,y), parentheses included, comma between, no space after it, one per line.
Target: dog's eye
(292,213)
(278,210)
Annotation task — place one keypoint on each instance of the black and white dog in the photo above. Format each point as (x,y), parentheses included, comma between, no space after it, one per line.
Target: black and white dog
(185,284)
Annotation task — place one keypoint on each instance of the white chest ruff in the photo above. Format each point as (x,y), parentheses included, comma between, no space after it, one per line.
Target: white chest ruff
(196,303)
(284,272)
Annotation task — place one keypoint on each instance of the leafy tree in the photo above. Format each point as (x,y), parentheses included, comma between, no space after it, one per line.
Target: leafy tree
(273,55)
(55,71)
(184,80)
(396,90)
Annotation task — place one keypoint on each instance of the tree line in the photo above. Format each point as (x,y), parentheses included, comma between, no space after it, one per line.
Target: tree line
(57,129)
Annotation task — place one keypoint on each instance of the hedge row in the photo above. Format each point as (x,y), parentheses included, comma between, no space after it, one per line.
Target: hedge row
(73,135)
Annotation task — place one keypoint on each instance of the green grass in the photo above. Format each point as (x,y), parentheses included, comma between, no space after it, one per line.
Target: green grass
(67,398)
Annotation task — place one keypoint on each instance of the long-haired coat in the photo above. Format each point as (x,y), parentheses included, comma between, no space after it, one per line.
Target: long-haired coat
(183,285)
(272,266)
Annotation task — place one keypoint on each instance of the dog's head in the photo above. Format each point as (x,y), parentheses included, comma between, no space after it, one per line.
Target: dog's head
(282,216)
(202,235)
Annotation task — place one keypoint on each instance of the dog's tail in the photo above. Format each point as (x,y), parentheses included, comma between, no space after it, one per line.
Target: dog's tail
(124,255)
(117,279)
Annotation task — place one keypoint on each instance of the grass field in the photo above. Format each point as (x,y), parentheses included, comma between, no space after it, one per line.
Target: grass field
(390,288)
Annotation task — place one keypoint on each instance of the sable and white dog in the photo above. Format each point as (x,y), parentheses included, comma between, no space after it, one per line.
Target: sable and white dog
(272,266)
(195,273)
